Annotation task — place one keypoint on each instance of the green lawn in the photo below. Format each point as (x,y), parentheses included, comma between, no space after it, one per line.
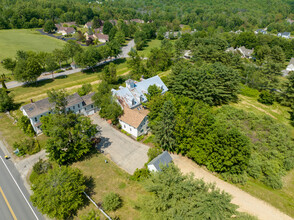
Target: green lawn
(150,44)
(108,177)
(27,40)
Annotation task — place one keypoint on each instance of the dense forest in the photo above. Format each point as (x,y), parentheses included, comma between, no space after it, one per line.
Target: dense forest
(202,15)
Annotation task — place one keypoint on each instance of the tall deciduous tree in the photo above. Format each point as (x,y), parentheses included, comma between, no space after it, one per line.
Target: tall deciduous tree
(59,193)
(49,26)
(71,48)
(9,64)
(69,136)
(88,58)
(107,27)
(109,73)
(28,70)
(59,99)
(51,64)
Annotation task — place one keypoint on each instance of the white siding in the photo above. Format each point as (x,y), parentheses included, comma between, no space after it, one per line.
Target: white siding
(151,168)
(128,128)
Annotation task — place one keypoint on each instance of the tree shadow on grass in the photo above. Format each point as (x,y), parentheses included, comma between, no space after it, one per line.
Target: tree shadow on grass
(39,83)
(99,68)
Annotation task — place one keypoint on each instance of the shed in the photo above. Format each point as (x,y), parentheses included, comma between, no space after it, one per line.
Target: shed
(163,159)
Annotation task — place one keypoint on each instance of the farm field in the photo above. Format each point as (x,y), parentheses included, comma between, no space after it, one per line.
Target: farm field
(27,40)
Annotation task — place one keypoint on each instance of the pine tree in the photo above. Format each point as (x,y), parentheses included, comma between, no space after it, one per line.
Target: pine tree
(165,127)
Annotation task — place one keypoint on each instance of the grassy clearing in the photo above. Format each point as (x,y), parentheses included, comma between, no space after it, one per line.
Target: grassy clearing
(150,44)
(275,111)
(107,177)
(282,199)
(11,133)
(27,40)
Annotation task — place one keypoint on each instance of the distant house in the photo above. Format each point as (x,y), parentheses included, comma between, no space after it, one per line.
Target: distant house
(171,34)
(66,30)
(246,53)
(289,68)
(137,21)
(134,120)
(231,49)
(114,22)
(161,160)
(88,24)
(261,31)
(75,103)
(187,54)
(101,37)
(99,30)
(290,20)
(286,35)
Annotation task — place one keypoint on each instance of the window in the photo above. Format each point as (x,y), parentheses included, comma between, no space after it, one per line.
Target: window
(130,129)
(36,119)
(73,107)
(78,105)
(92,106)
(124,126)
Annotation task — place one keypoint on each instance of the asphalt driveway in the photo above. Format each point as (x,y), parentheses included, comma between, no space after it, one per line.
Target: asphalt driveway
(127,153)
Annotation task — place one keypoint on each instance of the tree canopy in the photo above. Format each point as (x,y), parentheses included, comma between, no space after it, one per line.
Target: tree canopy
(59,193)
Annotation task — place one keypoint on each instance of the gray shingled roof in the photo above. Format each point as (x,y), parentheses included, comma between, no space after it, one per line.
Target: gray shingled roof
(163,158)
(43,106)
(88,98)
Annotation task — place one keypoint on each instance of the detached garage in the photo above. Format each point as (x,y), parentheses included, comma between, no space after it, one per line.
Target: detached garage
(163,159)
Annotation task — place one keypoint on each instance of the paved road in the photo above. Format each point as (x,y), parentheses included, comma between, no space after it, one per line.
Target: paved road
(127,153)
(44,76)
(14,198)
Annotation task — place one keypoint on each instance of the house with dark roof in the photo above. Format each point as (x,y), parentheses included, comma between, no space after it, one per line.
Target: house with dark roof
(260,31)
(163,159)
(286,35)
(134,120)
(78,104)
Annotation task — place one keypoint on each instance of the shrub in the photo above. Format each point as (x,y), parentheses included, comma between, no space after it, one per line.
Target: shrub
(273,181)
(247,91)
(86,88)
(42,167)
(92,215)
(140,174)
(153,152)
(235,178)
(26,126)
(27,146)
(59,71)
(112,201)
(149,139)
(140,138)
(267,98)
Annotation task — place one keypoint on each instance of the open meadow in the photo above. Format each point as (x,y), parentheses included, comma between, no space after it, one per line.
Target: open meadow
(27,40)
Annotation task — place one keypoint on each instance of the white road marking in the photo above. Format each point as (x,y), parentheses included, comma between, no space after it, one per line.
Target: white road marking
(19,189)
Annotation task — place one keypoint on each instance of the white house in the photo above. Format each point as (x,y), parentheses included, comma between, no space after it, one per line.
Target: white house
(134,120)
(286,35)
(75,103)
(66,30)
(161,160)
(290,66)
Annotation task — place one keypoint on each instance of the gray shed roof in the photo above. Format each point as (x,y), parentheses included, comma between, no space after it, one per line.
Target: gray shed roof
(163,158)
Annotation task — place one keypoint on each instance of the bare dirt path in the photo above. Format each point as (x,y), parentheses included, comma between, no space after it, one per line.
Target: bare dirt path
(245,201)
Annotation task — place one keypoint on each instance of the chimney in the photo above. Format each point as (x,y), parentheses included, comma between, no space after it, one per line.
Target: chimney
(32,101)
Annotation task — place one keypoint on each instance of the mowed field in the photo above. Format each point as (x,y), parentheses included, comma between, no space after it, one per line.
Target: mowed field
(27,40)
